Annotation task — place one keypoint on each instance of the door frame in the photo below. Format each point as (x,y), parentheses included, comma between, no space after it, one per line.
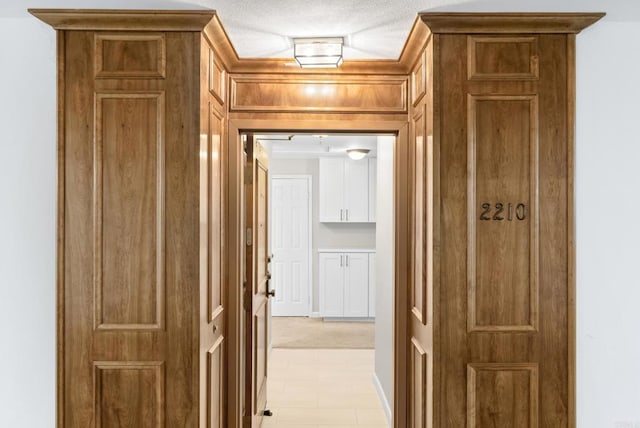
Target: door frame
(309,180)
(309,122)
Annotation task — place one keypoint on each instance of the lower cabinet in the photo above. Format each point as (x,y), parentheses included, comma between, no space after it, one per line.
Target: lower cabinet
(346,284)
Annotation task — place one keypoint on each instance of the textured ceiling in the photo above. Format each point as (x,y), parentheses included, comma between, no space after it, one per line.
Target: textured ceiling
(372,28)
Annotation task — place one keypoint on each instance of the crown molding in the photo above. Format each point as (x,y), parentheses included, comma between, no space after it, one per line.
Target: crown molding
(414,45)
(125,20)
(507,23)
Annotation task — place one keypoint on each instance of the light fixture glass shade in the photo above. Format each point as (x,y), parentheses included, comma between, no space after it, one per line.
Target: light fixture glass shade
(357,154)
(318,52)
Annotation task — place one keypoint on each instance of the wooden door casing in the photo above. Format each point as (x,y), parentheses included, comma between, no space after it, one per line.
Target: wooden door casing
(257,283)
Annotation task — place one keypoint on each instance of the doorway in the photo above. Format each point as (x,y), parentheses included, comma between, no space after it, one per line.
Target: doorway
(332,365)
(287,357)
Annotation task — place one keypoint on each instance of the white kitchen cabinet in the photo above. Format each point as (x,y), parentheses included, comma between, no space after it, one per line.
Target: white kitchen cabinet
(345,189)
(373,176)
(356,286)
(345,284)
(372,285)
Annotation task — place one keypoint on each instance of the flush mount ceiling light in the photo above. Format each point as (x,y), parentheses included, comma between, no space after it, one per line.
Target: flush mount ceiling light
(357,154)
(318,52)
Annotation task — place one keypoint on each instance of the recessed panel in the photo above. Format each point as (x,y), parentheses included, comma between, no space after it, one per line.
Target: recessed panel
(502,213)
(215,387)
(216,206)
(502,58)
(418,80)
(261,350)
(340,95)
(129,394)
(418,405)
(502,395)
(128,207)
(217,77)
(418,292)
(122,55)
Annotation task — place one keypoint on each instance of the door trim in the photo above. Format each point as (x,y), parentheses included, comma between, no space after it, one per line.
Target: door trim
(402,201)
(309,179)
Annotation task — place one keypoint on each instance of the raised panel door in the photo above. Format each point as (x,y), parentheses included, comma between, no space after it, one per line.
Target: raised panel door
(373,175)
(356,193)
(356,289)
(332,190)
(332,284)
(372,285)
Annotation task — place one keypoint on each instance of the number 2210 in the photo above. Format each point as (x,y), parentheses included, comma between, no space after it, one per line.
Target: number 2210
(499,212)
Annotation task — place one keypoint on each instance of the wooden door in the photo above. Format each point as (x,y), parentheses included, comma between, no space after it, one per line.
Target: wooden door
(331,284)
(356,190)
(356,284)
(129,278)
(257,293)
(290,245)
(505,286)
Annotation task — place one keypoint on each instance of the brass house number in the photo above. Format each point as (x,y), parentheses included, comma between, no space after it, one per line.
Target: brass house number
(500,211)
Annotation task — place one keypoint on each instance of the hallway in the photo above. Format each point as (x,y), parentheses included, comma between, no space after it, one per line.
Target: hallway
(323,388)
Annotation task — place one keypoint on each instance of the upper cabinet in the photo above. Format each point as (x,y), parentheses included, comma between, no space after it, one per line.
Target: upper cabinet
(346,189)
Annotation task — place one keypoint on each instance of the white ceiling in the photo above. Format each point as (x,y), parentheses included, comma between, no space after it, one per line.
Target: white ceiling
(372,28)
(313,146)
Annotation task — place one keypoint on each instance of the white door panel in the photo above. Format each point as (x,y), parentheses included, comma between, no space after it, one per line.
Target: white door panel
(357,191)
(331,186)
(290,245)
(332,284)
(356,295)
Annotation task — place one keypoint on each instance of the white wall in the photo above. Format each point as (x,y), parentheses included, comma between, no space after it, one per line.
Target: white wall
(608,235)
(27,224)
(324,235)
(384,270)
(608,231)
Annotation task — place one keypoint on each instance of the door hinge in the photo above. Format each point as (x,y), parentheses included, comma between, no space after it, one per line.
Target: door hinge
(249,237)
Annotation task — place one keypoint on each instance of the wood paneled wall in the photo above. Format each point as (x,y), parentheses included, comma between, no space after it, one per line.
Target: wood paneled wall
(492,289)
(141,280)
(151,108)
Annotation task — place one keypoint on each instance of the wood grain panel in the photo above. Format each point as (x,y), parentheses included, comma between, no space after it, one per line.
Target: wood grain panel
(419,79)
(502,58)
(129,210)
(502,395)
(129,394)
(418,283)
(268,93)
(215,384)
(418,404)
(503,245)
(216,123)
(217,77)
(130,55)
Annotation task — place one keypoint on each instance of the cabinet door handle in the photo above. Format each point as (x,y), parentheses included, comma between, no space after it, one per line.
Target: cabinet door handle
(340,214)
(340,260)
(347,214)
(347,256)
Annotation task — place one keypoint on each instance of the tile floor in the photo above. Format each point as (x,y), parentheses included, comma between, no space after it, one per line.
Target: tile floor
(323,388)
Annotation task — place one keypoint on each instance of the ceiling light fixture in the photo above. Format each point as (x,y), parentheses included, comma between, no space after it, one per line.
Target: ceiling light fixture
(357,154)
(318,52)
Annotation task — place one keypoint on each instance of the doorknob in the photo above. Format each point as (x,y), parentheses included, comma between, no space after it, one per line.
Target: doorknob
(269,258)
(271,293)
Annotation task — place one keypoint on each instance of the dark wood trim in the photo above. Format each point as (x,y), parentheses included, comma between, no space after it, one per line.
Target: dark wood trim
(124,20)
(508,23)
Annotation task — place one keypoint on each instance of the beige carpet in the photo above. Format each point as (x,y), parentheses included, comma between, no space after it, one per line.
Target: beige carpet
(299,332)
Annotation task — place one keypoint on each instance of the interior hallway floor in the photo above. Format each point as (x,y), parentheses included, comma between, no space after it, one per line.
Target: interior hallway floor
(323,388)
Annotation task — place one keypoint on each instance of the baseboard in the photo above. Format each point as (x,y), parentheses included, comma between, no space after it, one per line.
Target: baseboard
(383,399)
(315,315)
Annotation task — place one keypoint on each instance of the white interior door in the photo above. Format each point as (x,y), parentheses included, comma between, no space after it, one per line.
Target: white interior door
(291,245)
